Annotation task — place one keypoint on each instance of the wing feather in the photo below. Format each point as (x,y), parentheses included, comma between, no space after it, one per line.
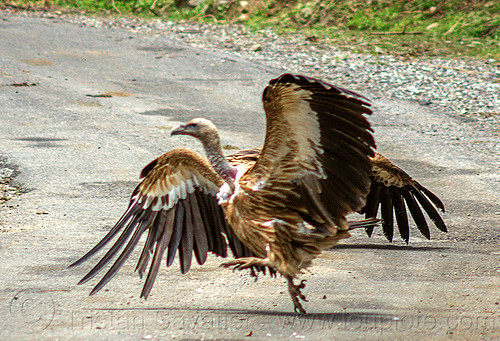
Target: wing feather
(124,255)
(158,254)
(316,136)
(417,214)
(113,251)
(200,241)
(404,192)
(400,212)
(209,222)
(176,204)
(433,198)
(131,211)
(387,216)
(162,225)
(372,204)
(175,240)
(429,209)
(186,242)
(220,222)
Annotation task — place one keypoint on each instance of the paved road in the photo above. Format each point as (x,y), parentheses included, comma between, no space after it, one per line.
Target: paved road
(79,157)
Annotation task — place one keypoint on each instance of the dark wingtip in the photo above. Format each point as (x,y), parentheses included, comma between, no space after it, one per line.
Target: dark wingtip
(85,279)
(432,197)
(94,291)
(284,78)
(74,264)
(369,231)
(145,294)
(145,171)
(429,209)
(85,257)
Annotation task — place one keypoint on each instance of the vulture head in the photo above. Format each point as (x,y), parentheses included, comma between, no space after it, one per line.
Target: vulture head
(200,128)
(205,131)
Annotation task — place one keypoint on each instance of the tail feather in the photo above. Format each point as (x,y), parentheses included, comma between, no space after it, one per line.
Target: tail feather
(365,223)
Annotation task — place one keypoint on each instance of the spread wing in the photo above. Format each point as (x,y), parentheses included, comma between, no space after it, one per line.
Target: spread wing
(175,205)
(391,187)
(393,190)
(315,156)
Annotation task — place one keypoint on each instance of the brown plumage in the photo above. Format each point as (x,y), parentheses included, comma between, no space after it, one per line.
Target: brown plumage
(392,191)
(278,207)
(391,188)
(176,204)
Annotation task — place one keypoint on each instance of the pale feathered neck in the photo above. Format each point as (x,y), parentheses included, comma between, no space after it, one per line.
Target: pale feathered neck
(211,144)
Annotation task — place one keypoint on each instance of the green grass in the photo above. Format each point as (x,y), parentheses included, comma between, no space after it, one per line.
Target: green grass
(448,28)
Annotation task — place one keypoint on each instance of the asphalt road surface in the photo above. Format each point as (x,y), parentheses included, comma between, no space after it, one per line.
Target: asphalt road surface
(78,156)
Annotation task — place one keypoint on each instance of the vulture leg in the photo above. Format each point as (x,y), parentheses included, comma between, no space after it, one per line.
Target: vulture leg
(296,293)
(246,263)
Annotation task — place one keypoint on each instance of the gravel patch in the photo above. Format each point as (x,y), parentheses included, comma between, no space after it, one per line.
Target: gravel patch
(465,87)
(7,174)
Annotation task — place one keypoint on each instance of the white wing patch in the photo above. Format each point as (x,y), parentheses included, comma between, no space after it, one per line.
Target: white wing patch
(168,191)
(306,130)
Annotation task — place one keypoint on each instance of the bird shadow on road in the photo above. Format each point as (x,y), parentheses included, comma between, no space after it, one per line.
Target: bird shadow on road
(389,247)
(326,317)
(285,317)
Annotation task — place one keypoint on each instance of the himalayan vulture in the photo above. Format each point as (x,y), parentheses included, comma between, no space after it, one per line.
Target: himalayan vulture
(276,207)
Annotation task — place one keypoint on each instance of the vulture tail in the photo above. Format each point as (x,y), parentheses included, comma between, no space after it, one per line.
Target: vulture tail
(365,223)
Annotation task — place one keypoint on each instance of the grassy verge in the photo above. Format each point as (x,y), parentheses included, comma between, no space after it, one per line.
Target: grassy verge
(410,28)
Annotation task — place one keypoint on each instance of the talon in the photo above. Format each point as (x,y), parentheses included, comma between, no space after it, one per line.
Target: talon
(299,309)
(253,274)
(227,264)
(296,294)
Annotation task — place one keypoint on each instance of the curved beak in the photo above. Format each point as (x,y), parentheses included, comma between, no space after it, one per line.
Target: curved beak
(178,130)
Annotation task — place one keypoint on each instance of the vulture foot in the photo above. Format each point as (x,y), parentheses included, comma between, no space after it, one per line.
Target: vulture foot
(246,263)
(296,293)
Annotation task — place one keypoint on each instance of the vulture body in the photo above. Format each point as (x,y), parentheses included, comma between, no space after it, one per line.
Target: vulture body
(276,207)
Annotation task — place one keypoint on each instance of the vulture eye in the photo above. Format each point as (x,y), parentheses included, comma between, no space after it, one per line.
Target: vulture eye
(191,126)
